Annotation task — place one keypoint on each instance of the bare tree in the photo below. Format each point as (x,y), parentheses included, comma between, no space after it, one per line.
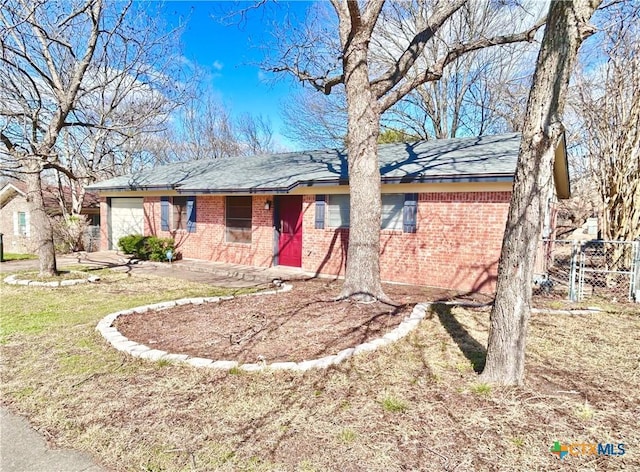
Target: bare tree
(77,79)
(315,120)
(370,91)
(466,100)
(606,102)
(567,26)
(255,134)
(475,95)
(204,128)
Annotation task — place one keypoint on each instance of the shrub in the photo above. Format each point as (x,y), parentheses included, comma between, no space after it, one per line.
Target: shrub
(147,247)
(157,248)
(132,244)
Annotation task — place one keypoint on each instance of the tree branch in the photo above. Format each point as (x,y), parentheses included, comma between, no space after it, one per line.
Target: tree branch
(435,72)
(400,68)
(322,84)
(60,168)
(7,142)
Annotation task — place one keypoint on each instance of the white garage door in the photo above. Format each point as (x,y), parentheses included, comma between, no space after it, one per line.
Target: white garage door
(127,217)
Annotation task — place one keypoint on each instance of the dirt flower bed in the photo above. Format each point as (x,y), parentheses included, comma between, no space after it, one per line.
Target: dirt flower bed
(305,323)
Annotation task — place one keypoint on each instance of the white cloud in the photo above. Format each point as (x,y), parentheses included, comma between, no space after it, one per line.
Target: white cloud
(217,65)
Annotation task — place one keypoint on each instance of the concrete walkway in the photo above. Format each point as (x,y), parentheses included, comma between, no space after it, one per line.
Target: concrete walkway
(22,448)
(213,273)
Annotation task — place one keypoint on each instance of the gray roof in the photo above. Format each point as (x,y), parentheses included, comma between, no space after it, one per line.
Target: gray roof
(476,159)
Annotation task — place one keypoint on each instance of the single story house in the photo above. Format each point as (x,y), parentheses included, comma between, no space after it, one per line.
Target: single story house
(15,220)
(445,204)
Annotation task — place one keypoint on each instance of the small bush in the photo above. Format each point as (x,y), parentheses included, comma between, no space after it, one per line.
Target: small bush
(157,248)
(147,247)
(132,244)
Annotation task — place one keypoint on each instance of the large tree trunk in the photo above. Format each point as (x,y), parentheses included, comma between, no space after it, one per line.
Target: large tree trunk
(567,26)
(362,279)
(41,230)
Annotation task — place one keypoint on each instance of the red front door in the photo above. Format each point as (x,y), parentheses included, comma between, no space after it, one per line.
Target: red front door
(290,239)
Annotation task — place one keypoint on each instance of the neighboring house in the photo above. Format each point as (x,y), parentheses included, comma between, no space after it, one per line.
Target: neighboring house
(445,204)
(15,218)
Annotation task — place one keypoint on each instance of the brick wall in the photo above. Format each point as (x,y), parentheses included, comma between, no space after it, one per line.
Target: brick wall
(208,241)
(104,225)
(11,241)
(457,243)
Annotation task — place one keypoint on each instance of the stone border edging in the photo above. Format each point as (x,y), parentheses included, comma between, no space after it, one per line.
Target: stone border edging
(553,311)
(121,343)
(13,280)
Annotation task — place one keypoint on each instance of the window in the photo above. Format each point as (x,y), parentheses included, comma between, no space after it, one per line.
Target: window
(179,213)
(392,204)
(22,223)
(338,211)
(392,214)
(238,220)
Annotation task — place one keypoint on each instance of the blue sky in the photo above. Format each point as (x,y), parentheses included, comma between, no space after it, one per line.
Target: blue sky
(230,52)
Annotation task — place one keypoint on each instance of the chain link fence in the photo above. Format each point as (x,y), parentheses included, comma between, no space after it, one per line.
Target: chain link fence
(91,239)
(579,270)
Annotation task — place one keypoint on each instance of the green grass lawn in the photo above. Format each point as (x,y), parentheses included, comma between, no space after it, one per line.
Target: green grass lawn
(414,405)
(11,256)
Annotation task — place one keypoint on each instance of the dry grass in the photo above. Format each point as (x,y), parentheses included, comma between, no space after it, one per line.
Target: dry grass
(415,405)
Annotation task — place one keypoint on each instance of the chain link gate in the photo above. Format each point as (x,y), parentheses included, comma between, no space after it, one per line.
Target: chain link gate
(579,270)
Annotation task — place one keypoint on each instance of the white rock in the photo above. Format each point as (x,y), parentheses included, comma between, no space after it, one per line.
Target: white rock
(365,347)
(175,357)
(116,338)
(392,336)
(161,306)
(124,345)
(306,365)
(252,367)
(380,342)
(199,362)
(325,362)
(224,365)
(283,366)
(153,354)
(412,323)
(121,313)
(344,354)
(138,350)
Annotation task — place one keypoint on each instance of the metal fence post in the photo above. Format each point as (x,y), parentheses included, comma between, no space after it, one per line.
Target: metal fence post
(636,270)
(573,294)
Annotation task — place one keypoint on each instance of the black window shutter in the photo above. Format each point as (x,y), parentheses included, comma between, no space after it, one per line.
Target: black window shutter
(191,214)
(320,211)
(410,213)
(164,213)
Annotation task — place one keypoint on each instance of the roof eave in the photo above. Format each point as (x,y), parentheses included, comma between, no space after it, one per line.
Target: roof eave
(412,179)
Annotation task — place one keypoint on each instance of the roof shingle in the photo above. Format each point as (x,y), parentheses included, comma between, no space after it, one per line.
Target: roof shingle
(486,158)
